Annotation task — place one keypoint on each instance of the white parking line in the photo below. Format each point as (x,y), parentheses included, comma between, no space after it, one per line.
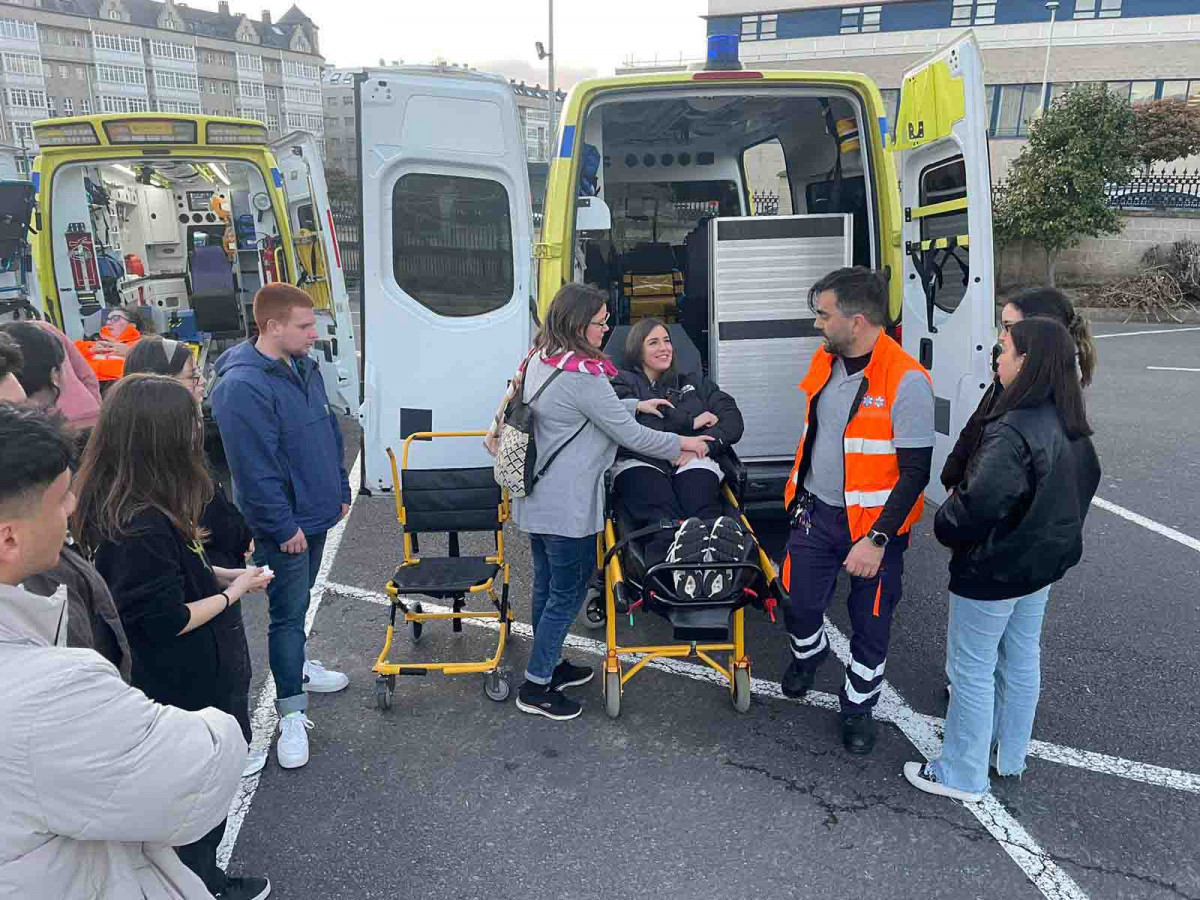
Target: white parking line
(1157,527)
(1154,331)
(1170,369)
(264,718)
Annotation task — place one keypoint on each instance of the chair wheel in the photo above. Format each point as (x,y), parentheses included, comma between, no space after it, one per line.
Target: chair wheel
(417,627)
(497,685)
(593,609)
(741,690)
(612,694)
(383,694)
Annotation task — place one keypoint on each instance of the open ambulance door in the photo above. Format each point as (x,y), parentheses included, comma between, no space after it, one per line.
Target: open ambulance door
(949,316)
(319,272)
(447,252)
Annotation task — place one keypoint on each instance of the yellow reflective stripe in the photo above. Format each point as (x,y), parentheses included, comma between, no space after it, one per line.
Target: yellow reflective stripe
(937,209)
(867,499)
(869,446)
(961,240)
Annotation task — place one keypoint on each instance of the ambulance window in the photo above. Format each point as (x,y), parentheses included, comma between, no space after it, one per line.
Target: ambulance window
(940,183)
(452,243)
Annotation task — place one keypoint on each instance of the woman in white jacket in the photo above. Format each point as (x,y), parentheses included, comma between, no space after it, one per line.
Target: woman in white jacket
(99,783)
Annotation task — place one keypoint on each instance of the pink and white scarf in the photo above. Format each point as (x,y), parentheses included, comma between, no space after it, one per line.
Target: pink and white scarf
(569,361)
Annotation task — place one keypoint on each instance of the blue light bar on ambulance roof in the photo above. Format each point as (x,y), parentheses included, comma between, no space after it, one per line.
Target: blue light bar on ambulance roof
(64,135)
(235,133)
(150,131)
(722,53)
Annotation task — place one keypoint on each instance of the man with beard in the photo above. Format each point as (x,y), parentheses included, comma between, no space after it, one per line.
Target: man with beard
(855,491)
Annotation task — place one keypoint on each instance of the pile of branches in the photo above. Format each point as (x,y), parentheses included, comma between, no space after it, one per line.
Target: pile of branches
(1167,283)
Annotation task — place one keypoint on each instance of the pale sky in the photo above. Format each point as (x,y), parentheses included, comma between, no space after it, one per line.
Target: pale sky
(591,37)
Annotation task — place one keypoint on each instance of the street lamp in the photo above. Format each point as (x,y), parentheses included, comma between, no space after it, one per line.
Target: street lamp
(1052,5)
(548,54)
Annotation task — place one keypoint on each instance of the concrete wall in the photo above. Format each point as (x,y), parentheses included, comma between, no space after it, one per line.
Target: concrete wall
(1100,259)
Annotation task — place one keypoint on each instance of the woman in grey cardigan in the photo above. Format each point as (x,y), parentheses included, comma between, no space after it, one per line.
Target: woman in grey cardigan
(578,412)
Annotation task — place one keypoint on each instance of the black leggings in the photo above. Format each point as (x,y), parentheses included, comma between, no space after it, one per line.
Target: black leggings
(651,495)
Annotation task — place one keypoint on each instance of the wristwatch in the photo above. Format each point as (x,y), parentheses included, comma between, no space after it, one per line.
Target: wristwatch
(878,538)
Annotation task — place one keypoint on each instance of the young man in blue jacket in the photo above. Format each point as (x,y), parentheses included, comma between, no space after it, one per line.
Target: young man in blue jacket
(285,453)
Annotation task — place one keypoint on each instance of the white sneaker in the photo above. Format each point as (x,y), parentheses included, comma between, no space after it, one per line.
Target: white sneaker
(254,763)
(320,680)
(292,748)
(920,777)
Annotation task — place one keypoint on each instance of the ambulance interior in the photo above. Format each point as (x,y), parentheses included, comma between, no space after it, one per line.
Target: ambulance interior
(669,165)
(194,240)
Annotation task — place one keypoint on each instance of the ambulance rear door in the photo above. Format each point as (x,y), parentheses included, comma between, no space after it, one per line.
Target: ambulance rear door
(447,231)
(949,313)
(320,271)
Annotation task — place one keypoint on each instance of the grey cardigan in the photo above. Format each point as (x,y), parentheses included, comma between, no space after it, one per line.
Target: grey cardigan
(569,499)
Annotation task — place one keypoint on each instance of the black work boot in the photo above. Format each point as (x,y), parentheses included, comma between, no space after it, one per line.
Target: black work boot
(796,681)
(858,734)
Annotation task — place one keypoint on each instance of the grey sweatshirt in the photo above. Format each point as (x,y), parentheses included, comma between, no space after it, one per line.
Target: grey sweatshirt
(568,501)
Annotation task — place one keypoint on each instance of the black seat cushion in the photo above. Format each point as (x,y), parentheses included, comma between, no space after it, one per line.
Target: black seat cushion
(444,576)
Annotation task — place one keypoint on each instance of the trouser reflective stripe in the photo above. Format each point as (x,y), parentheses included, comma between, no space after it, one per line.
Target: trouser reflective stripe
(816,557)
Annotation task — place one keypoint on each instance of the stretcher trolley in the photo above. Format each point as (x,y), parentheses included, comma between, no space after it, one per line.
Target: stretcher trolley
(450,501)
(702,628)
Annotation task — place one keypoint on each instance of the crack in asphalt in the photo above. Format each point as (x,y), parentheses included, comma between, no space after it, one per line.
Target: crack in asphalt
(864,802)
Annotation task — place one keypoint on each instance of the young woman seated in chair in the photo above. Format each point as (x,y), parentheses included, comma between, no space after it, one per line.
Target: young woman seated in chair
(652,490)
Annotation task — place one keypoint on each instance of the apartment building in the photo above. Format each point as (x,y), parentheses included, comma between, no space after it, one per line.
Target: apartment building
(73,57)
(1142,49)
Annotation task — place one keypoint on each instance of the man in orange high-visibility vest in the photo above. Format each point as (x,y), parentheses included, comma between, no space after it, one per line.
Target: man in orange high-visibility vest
(855,491)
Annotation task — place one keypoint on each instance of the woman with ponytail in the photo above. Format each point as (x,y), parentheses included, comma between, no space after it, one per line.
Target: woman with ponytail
(1045,303)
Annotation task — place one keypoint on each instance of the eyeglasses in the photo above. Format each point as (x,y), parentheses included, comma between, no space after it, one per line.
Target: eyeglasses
(112,319)
(603,323)
(1006,327)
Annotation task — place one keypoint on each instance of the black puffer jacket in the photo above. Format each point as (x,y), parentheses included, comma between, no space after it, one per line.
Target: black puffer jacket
(690,395)
(1015,522)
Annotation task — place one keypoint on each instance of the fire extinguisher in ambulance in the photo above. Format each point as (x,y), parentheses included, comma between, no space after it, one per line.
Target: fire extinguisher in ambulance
(82,252)
(268,259)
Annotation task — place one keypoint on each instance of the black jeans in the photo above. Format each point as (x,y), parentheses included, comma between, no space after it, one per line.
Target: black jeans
(651,495)
(201,858)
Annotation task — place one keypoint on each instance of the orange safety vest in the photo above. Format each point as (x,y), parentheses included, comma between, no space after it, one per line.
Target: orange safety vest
(108,368)
(871,469)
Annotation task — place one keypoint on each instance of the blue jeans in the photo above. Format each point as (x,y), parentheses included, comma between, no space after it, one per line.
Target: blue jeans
(288,596)
(993,661)
(562,567)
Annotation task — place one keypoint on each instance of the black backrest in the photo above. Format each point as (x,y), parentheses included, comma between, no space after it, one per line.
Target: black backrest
(450,500)
(218,315)
(649,259)
(687,357)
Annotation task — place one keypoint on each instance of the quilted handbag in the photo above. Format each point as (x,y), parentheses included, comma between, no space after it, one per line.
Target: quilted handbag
(515,468)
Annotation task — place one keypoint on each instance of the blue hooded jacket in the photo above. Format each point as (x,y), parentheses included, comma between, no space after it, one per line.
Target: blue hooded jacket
(282,441)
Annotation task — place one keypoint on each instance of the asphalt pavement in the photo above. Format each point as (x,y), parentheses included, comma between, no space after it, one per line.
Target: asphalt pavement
(450,795)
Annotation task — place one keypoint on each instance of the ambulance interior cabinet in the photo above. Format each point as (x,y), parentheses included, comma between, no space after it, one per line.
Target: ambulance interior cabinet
(157,209)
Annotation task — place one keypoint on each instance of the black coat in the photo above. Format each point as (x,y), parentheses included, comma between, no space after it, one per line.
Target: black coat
(690,395)
(1015,522)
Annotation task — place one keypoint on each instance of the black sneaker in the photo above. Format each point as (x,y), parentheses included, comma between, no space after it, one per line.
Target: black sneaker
(689,545)
(797,682)
(858,734)
(726,543)
(567,674)
(540,700)
(245,887)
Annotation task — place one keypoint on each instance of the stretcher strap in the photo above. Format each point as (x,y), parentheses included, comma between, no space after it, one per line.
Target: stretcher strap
(925,257)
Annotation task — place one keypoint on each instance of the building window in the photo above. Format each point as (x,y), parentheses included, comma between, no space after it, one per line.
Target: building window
(250,61)
(273,122)
(860,19)
(24,99)
(302,95)
(347,101)
(114,15)
(272,93)
(114,43)
(124,104)
(431,261)
(973,12)
(51,107)
(226,89)
(172,50)
(63,71)
(1142,92)
(176,81)
(77,41)
(22,133)
(330,122)
(23,64)
(22,31)
(176,106)
(79,73)
(760,27)
(1093,9)
(305,71)
(86,106)
(247,112)
(68,106)
(169,25)
(252,89)
(120,74)
(348,121)
(1016,108)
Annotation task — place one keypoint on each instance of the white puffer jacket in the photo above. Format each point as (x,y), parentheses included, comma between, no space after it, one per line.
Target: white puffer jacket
(97,782)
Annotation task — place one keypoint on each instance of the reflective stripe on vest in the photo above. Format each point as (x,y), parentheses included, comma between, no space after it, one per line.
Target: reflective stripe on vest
(870,466)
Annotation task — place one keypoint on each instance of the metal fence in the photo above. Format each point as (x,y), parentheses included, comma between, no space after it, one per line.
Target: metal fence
(345,224)
(1157,190)
(766,203)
